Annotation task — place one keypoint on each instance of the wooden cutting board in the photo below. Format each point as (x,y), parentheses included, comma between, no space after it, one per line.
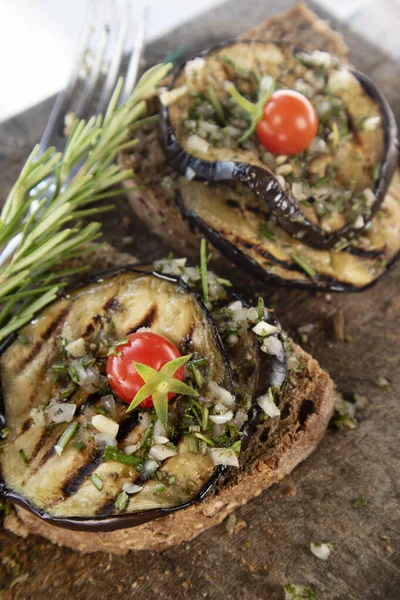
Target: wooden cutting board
(315,504)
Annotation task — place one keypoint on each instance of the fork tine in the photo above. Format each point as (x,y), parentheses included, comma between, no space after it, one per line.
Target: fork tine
(134,63)
(56,120)
(113,71)
(95,72)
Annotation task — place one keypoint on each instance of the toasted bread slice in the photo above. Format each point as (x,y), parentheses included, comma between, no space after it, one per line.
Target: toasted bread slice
(155,204)
(278,445)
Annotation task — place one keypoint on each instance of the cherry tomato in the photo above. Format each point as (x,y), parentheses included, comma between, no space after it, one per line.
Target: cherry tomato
(147,348)
(289,123)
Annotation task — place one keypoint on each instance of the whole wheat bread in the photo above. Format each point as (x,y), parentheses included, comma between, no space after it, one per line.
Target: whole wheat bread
(155,205)
(275,449)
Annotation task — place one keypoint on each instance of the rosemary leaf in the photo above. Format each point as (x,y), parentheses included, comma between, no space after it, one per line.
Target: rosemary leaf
(54,188)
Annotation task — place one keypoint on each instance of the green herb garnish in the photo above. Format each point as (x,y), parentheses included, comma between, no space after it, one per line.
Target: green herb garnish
(216,104)
(66,437)
(260,308)
(360,502)
(97,481)
(121,502)
(24,457)
(112,453)
(264,230)
(197,375)
(51,230)
(303,264)
(203,268)
(79,446)
(158,489)
(23,339)
(255,111)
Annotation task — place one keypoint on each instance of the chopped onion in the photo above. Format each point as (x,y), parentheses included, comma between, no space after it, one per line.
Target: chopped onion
(102,440)
(298,192)
(219,419)
(190,173)
(220,394)
(89,379)
(240,418)
(77,348)
(233,131)
(224,456)
(359,222)
(208,127)
(269,53)
(131,449)
(318,145)
(161,452)
(321,551)
(267,403)
(150,467)
(237,305)
(105,425)
(369,196)
(271,345)
(266,82)
(217,430)
(37,415)
(131,488)
(252,314)
(195,144)
(340,80)
(159,428)
(371,123)
(232,339)
(263,329)
(160,439)
(281,181)
(284,169)
(318,58)
(61,412)
(108,403)
(168,97)
(193,67)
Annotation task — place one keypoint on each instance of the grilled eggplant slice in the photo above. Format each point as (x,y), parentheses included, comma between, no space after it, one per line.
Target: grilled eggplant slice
(326,194)
(79,488)
(237,223)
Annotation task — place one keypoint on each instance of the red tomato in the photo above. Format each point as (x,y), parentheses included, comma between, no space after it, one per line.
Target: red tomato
(289,124)
(147,348)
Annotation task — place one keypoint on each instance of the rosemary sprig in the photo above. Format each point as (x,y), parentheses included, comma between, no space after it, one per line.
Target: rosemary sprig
(40,224)
(255,111)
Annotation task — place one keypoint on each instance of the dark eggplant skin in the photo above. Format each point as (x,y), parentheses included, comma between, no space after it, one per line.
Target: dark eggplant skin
(249,265)
(271,372)
(263,183)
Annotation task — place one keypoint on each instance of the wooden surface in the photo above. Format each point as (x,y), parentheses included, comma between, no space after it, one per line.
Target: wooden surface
(316,503)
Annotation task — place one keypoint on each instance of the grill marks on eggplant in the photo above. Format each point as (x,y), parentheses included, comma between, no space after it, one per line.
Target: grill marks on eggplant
(61,485)
(220,164)
(146,321)
(237,231)
(52,328)
(72,485)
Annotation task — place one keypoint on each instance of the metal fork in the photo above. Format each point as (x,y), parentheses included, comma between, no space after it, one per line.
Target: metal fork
(100,53)
(102,42)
